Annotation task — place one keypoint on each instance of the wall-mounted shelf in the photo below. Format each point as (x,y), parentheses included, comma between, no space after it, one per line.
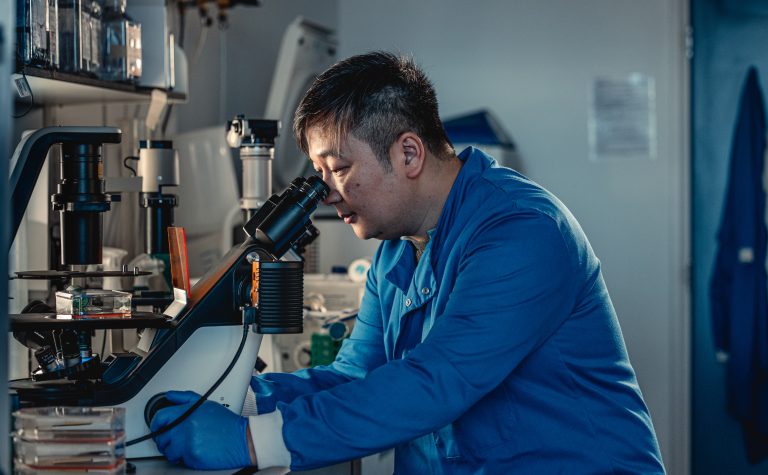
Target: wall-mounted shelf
(60,88)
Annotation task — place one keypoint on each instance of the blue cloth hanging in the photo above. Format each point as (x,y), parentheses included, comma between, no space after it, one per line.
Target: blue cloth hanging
(738,290)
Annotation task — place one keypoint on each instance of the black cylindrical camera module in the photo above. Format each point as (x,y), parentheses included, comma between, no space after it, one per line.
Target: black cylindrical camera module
(80,199)
(159,214)
(281,297)
(81,238)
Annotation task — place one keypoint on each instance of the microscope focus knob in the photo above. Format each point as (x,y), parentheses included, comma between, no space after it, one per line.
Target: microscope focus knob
(155,403)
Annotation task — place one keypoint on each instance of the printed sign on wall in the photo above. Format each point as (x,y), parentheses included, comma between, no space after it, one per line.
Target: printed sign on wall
(622,118)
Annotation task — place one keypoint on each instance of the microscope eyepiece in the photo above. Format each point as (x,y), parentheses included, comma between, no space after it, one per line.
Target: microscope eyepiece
(283,219)
(316,189)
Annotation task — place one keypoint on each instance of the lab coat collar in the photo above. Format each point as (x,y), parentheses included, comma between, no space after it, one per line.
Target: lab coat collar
(401,269)
(405,270)
(475,162)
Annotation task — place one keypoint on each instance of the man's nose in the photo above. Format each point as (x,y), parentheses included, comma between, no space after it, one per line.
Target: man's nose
(333,196)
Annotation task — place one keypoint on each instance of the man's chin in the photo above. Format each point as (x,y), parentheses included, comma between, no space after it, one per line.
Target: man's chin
(363,233)
(359,232)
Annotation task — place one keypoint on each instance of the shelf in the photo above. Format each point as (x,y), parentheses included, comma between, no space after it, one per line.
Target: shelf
(50,321)
(60,88)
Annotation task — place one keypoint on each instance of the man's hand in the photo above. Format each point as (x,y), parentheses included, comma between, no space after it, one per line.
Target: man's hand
(212,437)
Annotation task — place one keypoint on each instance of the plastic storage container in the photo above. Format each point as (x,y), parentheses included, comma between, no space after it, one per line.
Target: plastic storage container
(93,303)
(106,455)
(21,469)
(69,440)
(44,423)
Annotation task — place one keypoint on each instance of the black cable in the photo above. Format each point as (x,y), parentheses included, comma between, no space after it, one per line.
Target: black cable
(31,94)
(125,164)
(103,344)
(200,401)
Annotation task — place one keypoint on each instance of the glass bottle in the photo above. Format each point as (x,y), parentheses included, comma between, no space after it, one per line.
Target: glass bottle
(53,33)
(36,26)
(90,37)
(96,37)
(70,37)
(85,36)
(122,44)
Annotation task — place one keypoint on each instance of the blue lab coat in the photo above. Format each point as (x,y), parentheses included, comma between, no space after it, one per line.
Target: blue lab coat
(498,352)
(738,293)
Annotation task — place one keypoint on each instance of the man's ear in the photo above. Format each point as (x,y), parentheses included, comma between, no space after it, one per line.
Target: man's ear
(409,153)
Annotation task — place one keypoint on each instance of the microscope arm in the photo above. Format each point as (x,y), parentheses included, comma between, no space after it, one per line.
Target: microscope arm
(30,155)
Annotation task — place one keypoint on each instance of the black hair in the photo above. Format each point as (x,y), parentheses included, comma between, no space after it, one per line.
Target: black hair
(376,97)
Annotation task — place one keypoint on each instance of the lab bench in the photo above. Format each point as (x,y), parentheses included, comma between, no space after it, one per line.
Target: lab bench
(160,466)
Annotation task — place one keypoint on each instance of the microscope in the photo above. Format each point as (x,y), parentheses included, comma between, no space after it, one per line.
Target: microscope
(206,342)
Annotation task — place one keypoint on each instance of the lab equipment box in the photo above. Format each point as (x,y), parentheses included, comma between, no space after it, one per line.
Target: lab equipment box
(93,303)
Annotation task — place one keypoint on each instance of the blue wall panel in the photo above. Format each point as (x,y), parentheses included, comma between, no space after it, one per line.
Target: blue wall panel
(729,35)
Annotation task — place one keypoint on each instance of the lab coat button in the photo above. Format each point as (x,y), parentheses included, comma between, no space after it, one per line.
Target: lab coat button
(425,291)
(407,302)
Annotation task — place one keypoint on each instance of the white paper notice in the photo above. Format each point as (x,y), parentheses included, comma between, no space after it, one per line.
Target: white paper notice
(622,118)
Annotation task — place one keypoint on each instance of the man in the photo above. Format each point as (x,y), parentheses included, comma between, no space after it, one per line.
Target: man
(486,341)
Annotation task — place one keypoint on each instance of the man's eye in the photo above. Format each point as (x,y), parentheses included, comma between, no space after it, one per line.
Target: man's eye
(339,171)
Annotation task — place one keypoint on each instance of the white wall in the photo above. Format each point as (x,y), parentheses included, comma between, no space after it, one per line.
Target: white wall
(532,63)
(233,72)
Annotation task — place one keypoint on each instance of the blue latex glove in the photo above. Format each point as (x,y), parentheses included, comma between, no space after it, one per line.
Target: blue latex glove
(212,437)
(266,394)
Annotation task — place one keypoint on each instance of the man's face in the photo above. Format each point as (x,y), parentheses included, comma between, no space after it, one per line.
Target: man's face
(366,196)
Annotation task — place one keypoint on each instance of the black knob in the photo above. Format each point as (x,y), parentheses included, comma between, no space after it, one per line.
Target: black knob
(155,403)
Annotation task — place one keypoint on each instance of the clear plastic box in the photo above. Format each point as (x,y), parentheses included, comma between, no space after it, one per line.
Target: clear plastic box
(69,440)
(67,454)
(22,469)
(94,303)
(67,424)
